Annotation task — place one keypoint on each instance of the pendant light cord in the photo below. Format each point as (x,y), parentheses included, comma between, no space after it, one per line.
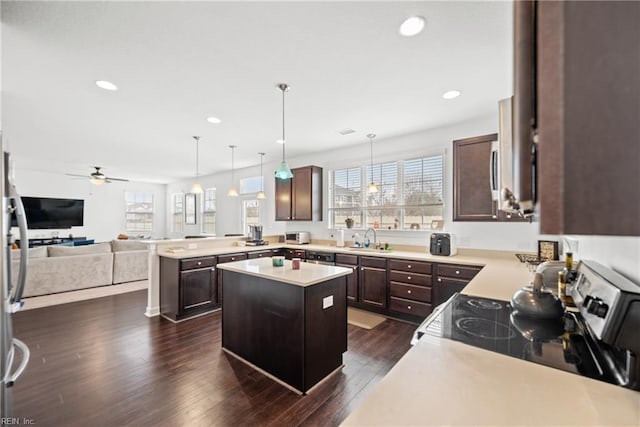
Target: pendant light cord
(261,180)
(284,141)
(197,138)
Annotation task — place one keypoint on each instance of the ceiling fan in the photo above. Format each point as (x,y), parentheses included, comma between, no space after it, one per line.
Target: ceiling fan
(98,178)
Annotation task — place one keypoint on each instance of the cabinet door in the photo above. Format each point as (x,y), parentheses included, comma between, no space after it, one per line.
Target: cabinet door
(373,286)
(445,288)
(352,282)
(301,191)
(197,288)
(283,199)
(472,200)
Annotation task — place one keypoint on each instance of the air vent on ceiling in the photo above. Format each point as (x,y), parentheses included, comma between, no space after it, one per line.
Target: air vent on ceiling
(346,131)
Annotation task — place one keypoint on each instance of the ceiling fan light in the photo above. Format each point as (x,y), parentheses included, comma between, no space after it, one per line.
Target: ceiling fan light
(97,181)
(373,188)
(283,171)
(197,189)
(232,192)
(261,195)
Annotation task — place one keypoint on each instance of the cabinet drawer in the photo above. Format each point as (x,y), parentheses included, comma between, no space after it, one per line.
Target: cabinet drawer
(295,253)
(346,259)
(259,254)
(410,278)
(466,272)
(410,307)
(231,257)
(406,265)
(412,292)
(194,263)
(367,261)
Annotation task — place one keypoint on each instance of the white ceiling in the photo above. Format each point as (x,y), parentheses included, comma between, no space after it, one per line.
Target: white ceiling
(177,63)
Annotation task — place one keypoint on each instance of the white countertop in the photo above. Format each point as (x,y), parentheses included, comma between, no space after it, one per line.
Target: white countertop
(308,274)
(444,382)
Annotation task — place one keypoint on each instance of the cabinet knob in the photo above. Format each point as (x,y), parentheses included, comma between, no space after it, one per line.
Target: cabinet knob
(361,268)
(408,292)
(355,268)
(259,255)
(409,307)
(457,271)
(409,266)
(439,279)
(233,258)
(199,263)
(213,269)
(408,277)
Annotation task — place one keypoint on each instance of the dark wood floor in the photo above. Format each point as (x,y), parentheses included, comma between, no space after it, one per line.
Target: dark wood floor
(103,363)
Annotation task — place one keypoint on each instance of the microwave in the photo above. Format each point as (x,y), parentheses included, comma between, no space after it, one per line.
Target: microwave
(298,238)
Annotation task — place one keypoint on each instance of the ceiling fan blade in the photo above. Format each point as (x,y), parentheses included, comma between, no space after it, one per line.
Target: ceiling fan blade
(81,176)
(108,178)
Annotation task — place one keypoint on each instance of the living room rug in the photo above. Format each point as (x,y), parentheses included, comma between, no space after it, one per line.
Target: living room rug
(363,319)
(82,294)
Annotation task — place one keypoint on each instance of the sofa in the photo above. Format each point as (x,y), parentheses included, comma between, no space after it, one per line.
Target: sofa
(54,269)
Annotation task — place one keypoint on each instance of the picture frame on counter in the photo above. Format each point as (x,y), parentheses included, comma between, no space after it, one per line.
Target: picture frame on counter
(548,250)
(190,209)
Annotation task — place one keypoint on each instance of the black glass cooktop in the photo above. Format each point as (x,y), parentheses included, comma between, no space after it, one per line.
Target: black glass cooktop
(490,324)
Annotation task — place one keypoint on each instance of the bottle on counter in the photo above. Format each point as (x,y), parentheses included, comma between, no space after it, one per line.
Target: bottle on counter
(565,277)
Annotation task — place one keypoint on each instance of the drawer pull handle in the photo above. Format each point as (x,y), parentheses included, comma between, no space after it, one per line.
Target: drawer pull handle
(233,258)
(457,271)
(439,279)
(408,277)
(408,292)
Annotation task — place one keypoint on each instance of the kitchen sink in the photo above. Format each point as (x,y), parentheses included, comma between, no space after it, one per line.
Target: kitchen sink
(355,248)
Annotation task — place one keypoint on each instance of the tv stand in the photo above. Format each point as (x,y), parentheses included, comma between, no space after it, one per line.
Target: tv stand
(50,241)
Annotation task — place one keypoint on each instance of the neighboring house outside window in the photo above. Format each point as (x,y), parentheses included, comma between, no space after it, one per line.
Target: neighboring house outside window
(410,194)
(209,211)
(250,213)
(177,212)
(138,211)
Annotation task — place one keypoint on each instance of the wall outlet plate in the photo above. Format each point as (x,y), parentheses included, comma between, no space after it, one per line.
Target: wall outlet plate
(327,302)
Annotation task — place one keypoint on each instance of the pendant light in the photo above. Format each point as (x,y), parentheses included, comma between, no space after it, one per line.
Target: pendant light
(261,194)
(283,172)
(373,188)
(197,188)
(232,190)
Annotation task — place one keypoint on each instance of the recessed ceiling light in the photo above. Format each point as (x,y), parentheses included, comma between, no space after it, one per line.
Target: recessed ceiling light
(346,131)
(412,26)
(279,141)
(451,94)
(103,84)
(214,120)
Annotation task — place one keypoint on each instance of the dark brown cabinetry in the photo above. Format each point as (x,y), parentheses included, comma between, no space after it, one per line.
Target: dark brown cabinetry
(588,105)
(188,287)
(372,279)
(295,253)
(410,287)
(472,200)
(350,261)
(240,256)
(452,278)
(300,198)
(262,254)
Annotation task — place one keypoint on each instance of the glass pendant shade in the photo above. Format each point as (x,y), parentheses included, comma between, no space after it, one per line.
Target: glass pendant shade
(232,192)
(373,188)
(261,195)
(197,189)
(283,172)
(97,181)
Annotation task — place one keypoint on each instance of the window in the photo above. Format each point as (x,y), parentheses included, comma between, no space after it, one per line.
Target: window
(250,213)
(178,212)
(410,194)
(138,211)
(251,185)
(209,211)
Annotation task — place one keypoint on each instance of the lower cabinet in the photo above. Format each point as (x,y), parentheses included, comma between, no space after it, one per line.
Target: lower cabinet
(452,278)
(373,281)
(240,256)
(188,287)
(350,261)
(410,287)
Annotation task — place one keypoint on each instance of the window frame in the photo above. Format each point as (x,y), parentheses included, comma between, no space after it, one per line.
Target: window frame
(177,222)
(150,214)
(206,213)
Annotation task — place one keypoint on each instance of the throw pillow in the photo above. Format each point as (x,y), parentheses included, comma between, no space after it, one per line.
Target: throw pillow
(99,248)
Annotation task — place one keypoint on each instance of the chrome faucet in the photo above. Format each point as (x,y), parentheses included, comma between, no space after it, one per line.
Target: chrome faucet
(375,237)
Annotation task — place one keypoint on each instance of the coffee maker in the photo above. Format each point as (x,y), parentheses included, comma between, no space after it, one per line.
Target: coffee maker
(255,235)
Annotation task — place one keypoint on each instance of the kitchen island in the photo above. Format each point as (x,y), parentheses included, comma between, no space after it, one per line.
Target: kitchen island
(289,324)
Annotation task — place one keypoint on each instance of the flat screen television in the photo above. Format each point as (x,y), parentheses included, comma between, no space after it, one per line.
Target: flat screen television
(46,212)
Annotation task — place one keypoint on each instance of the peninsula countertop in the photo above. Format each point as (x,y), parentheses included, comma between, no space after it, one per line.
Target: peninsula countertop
(308,274)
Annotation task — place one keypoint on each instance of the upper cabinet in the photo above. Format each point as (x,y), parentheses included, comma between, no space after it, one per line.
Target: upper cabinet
(472,199)
(586,79)
(300,198)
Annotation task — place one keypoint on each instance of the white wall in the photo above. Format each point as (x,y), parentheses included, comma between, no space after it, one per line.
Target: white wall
(103,205)
(622,254)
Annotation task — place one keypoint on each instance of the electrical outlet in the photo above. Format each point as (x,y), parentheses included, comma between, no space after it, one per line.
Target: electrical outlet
(327,302)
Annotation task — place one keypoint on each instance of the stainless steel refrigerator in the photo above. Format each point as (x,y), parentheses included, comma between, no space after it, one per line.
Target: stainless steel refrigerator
(14,354)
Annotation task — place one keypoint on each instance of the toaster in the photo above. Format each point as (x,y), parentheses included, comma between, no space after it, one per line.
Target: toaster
(442,244)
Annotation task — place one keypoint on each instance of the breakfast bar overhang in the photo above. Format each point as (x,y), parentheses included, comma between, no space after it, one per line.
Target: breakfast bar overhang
(289,324)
